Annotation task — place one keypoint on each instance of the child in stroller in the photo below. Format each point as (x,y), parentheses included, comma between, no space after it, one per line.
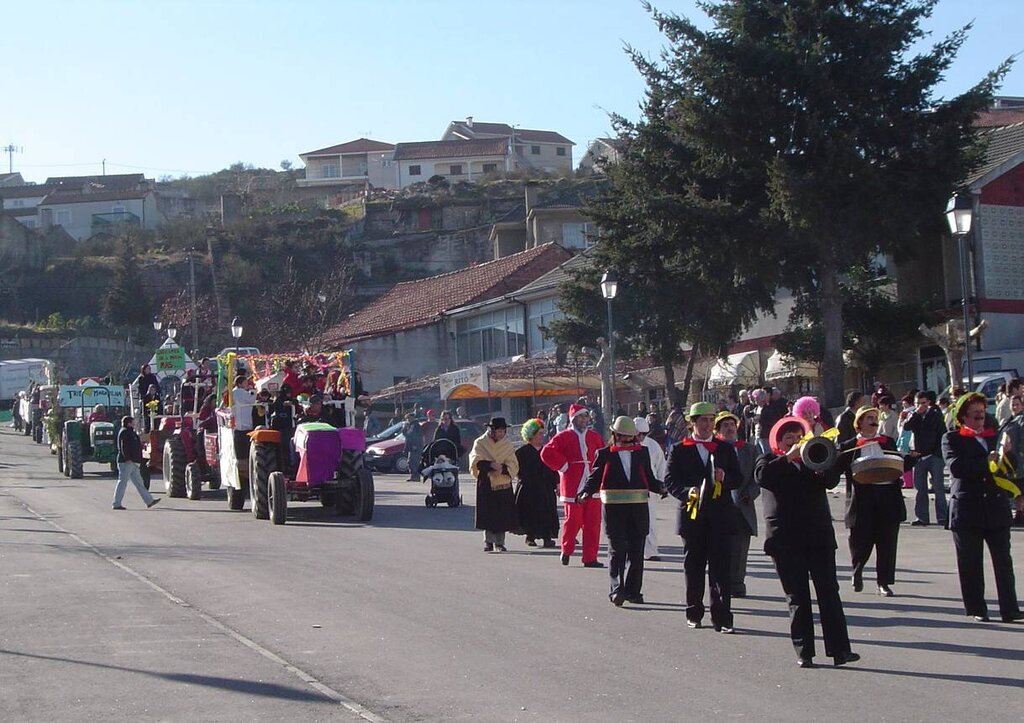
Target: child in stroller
(440,466)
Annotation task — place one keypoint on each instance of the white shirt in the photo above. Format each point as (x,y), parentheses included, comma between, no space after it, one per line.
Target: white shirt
(703,451)
(242,401)
(627,462)
(658,461)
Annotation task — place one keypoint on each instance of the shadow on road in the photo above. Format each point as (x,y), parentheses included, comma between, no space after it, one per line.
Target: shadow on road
(235,685)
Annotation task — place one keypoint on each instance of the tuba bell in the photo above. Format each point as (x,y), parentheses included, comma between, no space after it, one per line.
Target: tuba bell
(818,452)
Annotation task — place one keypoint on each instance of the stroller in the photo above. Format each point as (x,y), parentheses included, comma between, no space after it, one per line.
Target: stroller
(440,465)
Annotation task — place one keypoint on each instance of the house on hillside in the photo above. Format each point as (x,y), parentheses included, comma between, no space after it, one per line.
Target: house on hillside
(85,206)
(546,151)
(405,333)
(22,202)
(600,150)
(360,161)
(454,160)
(552,217)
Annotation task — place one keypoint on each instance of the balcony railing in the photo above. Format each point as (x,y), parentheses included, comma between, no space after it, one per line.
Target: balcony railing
(102,222)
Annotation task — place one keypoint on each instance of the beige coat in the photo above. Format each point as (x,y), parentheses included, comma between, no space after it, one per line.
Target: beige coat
(486,449)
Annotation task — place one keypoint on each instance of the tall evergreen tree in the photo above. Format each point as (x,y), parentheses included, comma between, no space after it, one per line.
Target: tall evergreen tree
(817,113)
(125,303)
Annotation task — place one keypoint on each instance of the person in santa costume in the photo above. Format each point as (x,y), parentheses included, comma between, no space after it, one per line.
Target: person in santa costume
(571,453)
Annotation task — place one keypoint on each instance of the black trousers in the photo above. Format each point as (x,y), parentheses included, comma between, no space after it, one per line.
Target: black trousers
(707,549)
(970,564)
(882,538)
(626,526)
(796,568)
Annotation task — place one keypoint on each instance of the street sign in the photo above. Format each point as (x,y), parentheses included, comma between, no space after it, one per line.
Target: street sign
(170,359)
(74,396)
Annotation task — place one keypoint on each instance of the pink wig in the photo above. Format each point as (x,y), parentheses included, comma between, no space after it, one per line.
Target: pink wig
(805,406)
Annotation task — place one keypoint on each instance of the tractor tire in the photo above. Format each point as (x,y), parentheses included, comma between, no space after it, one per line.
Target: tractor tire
(193,481)
(363,506)
(174,467)
(74,460)
(236,498)
(144,472)
(214,481)
(262,461)
(277,498)
(328,499)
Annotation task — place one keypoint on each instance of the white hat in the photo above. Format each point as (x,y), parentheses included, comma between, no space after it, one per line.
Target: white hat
(642,427)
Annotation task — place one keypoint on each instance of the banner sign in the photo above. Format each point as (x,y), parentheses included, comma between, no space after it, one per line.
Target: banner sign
(75,396)
(170,359)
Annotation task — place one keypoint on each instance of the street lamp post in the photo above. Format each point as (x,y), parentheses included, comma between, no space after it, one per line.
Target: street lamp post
(158,325)
(172,331)
(609,288)
(236,332)
(959,213)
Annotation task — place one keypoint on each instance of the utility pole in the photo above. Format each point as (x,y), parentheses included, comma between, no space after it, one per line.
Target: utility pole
(104,166)
(192,286)
(10,149)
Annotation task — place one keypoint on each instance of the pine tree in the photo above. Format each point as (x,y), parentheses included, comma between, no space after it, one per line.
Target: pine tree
(125,303)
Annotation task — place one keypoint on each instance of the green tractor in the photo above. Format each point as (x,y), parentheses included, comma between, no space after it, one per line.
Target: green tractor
(82,437)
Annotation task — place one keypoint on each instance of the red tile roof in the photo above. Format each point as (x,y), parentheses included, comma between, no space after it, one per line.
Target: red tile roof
(412,304)
(28,191)
(64,197)
(451,149)
(359,145)
(523,135)
(999,117)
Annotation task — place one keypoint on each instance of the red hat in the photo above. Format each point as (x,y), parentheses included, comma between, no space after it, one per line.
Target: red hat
(577,409)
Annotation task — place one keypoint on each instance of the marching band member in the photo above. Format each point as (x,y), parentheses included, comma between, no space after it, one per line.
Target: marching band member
(658,464)
(874,511)
(979,511)
(727,430)
(571,453)
(701,474)
(624,479)
(800,540)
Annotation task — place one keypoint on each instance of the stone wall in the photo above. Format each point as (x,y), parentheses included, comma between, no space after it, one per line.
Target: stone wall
(80,356)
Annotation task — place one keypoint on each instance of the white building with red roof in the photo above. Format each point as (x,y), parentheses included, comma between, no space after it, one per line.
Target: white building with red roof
(360,161)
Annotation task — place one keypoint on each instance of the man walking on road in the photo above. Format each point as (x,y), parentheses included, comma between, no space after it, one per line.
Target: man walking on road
(129,456)
(927,427)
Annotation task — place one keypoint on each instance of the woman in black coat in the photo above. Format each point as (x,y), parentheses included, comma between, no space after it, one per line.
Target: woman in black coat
(536,498)
(874,511)
(800,540)
(979,511)
(449,430)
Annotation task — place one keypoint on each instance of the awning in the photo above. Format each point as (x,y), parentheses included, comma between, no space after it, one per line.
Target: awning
(742,368)
(523,378)
(783,366)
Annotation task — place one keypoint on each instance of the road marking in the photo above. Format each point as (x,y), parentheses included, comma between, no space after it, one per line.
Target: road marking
(298,672)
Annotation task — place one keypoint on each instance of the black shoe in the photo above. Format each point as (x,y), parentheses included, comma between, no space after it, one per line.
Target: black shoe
(531,542)
(635,599)
(501,548)
(565,559)
(858,584)
(488,547)
(1013,618)
(155,500)
(739,592)
(918,523)
(885,591)
(549,543)
(843,659)
(617,599)
(117,507)
(693,624)
(805,663)
(980,618)
(593,563)
(945,524)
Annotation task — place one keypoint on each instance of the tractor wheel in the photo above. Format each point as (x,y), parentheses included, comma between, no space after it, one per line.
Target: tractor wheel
(174,467)
(193,481)
(327,499)
(145,473)
(214,481)
(60,459)
(363,504)
(278,498)
(236,498)
(262,461)
(74,460)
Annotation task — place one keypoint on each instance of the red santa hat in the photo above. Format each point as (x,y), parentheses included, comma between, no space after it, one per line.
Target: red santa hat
(577,409)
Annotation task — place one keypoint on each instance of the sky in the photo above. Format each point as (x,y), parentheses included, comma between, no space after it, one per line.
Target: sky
(173,87)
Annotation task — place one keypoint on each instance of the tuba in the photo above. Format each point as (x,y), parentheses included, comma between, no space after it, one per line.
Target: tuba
(818,452)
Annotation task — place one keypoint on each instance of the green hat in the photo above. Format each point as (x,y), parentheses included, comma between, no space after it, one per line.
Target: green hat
(961,404)
(625,426)
(701,409)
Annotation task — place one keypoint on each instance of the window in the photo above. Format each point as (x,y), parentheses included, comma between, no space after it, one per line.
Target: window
(456,170)
(542,313)
(490,168)
(535,150)
(576,235)
(494,335)
(118,208)
(353,166)
(414,170)
(18,203)
(62,217)
(560,151)
(30,222)
(328,170)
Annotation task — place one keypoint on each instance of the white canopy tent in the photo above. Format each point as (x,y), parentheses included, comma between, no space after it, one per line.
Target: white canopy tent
(742,368)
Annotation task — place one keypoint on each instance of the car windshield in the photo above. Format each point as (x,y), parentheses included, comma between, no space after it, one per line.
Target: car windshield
(390,432)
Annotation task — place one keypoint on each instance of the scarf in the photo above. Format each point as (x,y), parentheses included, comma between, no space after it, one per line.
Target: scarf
(868,440)
(985,433)
(710,445)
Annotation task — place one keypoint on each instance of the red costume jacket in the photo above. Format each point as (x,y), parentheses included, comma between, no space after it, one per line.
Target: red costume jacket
(565,454)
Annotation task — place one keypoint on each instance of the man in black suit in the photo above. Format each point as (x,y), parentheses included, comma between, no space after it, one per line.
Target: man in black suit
(801,541)
(623,476)
(979,512)
(702,472)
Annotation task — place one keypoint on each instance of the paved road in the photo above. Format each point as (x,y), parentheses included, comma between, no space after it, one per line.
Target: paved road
(192,612)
